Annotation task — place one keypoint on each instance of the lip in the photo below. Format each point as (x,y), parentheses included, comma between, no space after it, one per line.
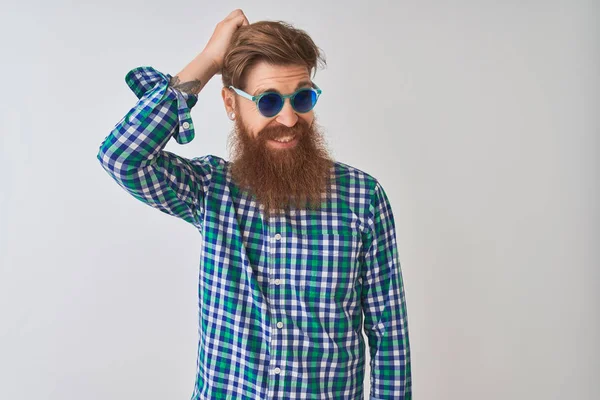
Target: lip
(280,145)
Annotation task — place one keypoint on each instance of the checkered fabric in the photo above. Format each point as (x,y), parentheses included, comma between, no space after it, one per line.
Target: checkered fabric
(283,303)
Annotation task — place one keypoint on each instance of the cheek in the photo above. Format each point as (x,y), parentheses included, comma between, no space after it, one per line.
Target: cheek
(252,120)
(308,117)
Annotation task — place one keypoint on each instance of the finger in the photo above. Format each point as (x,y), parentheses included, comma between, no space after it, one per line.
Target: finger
(234,13)
(241,21)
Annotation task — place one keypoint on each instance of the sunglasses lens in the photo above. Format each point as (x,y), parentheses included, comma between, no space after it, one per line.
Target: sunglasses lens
(270,104)
(305,100)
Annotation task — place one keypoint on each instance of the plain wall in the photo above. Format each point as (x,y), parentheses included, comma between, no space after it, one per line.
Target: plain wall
(480,119)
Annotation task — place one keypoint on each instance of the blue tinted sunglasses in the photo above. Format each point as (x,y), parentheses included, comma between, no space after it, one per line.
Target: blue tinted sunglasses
(270,104)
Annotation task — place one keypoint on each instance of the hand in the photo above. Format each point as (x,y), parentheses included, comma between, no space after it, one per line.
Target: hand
(221,38)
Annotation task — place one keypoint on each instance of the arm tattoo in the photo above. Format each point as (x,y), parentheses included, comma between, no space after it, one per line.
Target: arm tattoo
(187,87)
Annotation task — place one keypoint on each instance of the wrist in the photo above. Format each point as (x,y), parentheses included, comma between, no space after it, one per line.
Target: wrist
(206,58)
(197,73)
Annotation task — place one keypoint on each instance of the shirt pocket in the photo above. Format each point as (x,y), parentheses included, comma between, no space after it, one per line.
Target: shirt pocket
(331,264)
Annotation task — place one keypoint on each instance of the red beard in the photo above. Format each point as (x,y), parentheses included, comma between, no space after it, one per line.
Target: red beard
(282,178)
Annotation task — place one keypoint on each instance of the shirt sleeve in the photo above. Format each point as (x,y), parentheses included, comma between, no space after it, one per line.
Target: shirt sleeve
(133,153)
(384,307)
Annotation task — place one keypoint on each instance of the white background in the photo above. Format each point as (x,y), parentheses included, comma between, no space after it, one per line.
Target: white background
(480,119)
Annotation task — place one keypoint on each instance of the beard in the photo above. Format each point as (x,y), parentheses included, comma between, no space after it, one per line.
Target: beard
(280,179)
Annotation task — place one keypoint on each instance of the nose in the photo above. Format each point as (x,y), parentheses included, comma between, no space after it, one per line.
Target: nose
(287,116)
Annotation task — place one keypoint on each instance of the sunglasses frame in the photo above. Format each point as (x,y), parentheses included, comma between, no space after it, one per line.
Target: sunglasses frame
(256,99)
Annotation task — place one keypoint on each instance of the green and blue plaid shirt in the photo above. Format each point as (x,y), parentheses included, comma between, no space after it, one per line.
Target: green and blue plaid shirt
(281,303)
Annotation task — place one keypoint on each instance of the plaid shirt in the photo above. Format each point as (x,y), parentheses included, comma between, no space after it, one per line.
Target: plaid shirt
(280,304)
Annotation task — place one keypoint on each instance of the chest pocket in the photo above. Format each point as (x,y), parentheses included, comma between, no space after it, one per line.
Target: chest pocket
(330,264)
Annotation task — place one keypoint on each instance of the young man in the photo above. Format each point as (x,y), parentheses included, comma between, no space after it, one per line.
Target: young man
(296,248)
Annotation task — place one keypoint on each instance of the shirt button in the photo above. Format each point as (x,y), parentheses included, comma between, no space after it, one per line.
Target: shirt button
(277,281)
(280,324)
(277,370)
(277,236)
(185,125)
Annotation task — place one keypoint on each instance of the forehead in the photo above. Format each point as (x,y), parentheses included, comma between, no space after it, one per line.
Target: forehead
(282,78)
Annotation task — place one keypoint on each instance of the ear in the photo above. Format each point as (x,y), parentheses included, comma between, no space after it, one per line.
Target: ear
(228,99)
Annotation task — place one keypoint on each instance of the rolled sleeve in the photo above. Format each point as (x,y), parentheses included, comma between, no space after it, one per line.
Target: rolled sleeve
(152,85)
(133,153)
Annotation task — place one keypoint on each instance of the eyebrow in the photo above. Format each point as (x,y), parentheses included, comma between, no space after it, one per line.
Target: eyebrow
(300,84)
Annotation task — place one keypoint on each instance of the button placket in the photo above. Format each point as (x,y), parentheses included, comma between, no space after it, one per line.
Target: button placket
(277,281)
(277,237)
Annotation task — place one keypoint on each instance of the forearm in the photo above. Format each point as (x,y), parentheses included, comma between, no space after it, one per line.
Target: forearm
(195,75)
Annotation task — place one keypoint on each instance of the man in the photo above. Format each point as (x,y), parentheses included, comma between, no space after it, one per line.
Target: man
(297,247)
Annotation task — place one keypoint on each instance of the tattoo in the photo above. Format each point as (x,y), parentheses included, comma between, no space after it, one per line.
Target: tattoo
(187,87)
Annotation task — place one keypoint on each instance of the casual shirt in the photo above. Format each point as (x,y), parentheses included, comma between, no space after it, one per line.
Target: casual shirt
(283,303)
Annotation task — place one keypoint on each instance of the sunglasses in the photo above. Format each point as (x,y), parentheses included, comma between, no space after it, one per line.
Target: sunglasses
(269,104)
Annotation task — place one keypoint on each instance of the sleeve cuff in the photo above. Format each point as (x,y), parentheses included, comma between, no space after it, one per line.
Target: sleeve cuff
(151,87)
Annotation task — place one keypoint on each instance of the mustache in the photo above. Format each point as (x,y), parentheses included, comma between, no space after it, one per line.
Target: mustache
(279,131)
